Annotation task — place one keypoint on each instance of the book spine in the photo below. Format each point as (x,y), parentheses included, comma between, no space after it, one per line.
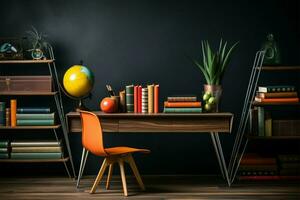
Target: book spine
(150,98)
(122,95)
(35,122)
(261,121)
(3,150)
(135,99)
(36,155)
(182,98)
(4,155)
(35,144)
(268,125)
(144,100)
(3,144)
(30,110)
(22,116)
(278,95)
(182,104)
(36,149)
(2,114)
(139,99)
(129,98)
(156,99)
(183,110)
(13,112)
(7,117)
(278,88)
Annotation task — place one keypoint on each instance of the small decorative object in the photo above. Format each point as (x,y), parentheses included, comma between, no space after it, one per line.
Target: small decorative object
(11,49)
(109,105)
(78,82)
(213,67)
(272,55)
(39,45)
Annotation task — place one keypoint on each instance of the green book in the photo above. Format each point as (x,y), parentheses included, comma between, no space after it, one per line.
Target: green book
(3,150)
(36,155)
(261,121)
(47,116)
(35,122)
(43,143)
(277,88)
(129,98)
(182,110)
(2,113)
(4,143)
(4,155)
(41,149)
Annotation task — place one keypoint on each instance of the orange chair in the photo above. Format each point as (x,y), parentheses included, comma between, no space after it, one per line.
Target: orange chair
(92,141)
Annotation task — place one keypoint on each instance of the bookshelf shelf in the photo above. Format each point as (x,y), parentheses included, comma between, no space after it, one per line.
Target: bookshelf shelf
(255,103)
(26,61)
(280,68)
(34,160)
(273,137)
(30,127)
(28,93)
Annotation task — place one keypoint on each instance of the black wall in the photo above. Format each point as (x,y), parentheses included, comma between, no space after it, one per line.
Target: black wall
(140,41)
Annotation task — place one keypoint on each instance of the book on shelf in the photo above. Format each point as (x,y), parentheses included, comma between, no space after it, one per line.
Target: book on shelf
(41,143)
(49,155)
(289,158)
(253,122)
(4,143)
(35,122)
(150,98)
(182,110)
(2,114)
(4,155)
(122,95)
(295,165)
(182,98)
(156,98)
(277,88)
(135,100)
(268,178)
(129,98)
(3,150)
(269,95)
(195,104)
(31,110)
(7,117)
(13,112)
(257,173)
(255,160)
(144,100)
(286,127)
(261,121)
(25,116)
(277,100)
(259,167)
(36,149)
(139,99)
(268,124)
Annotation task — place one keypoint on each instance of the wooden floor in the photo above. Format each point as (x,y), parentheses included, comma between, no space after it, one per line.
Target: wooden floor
(158,187)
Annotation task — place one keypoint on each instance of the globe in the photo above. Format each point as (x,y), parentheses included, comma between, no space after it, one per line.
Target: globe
(78,81)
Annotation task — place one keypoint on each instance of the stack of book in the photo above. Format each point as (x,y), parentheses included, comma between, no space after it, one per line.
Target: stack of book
(254,166)
(141,99)
(34,117)
(277,94)
(36,150)
(4,152)
(182,104)
(289,164)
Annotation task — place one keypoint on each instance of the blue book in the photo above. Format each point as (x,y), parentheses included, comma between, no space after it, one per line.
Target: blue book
(35,122)
(31,110)
(182,110)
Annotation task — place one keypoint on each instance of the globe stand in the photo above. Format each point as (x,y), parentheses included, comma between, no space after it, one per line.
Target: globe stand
(81,106)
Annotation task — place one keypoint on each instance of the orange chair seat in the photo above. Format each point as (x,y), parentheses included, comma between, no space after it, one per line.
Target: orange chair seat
(124,150)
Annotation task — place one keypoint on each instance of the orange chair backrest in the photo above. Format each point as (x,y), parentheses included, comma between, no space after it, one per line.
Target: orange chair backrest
(92,137)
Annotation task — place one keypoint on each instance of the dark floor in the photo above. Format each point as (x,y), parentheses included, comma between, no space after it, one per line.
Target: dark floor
(158,187)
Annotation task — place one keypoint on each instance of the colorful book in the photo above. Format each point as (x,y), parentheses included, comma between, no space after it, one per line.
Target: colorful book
(129,98)
(42,149)
(44,143)
(258,161)
(277,95)
(135,98)
(287,127)
(144,100)
(182,110)
(2,114)
(156,98)
(195,104)
(261,121)
(4,155)
(253,122)
(150,98)
(268,125)
(4,143)
(277,100)
(35,122)
(182,98)
(13,112)
(21,116)
(7,117)
(276,88)
(257,168)
(139,99)
(122,95)
(3,150)
(52,155)
(268,178)
(257,173)
(31,110)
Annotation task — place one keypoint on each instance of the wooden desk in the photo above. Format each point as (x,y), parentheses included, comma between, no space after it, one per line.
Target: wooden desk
(212,123)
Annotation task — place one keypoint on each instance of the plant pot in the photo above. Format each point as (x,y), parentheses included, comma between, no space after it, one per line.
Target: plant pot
(216,92)
(37,54)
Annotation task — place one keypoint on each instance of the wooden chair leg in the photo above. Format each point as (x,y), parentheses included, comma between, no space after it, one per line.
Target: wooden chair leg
(110,171)
(121,164)
(100,174)
(135,172)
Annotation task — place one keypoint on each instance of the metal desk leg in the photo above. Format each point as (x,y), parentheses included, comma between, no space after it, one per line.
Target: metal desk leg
(219,152)
(82,164)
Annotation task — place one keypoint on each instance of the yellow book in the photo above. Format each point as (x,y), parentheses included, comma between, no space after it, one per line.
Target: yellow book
(150,98)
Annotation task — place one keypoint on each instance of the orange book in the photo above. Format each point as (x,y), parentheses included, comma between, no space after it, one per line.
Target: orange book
(182,104)
(156,98)
(135,100)
(277,100)
(13,112)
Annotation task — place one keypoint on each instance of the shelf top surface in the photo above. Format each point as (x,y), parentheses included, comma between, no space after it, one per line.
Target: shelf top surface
(27,93)
(25,61)
(280,68)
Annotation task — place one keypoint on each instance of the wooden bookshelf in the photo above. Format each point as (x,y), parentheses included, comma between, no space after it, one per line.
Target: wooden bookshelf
(25,61)
(34,160)
(255,103)
(26,93)
(280,68)
(29,127)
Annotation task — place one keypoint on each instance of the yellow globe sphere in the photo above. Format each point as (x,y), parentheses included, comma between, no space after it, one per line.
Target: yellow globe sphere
(78,81)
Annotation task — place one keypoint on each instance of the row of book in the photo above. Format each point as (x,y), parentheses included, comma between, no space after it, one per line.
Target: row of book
(25,116)
(182,104)
(262,124)
(278,94)
(256,167)
(31,149)
(139,99)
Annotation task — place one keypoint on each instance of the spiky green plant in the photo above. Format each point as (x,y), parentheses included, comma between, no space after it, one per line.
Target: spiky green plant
(37,39)
(214,64)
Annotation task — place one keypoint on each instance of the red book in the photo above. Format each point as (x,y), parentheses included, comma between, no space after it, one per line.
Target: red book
(195,104)
(156,98)
(140,99)
(268,178)
(277,100)
(135,96)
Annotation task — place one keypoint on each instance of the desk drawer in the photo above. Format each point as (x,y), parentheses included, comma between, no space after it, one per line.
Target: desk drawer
(108,125)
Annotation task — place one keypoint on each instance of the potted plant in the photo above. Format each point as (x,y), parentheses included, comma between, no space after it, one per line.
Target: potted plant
(213,67)
(39,45)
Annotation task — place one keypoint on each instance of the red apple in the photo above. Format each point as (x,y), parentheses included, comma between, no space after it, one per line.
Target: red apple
(108,105)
